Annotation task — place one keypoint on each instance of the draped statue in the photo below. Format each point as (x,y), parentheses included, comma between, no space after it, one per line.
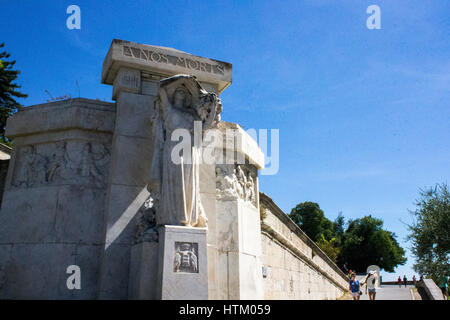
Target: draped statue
(174,182)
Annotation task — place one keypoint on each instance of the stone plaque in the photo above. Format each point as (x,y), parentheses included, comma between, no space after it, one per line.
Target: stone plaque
(186,257)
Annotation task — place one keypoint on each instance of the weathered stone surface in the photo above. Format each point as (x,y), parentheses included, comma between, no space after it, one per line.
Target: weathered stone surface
(432,290)
(178,283)
(79,221)
(114,272)
(123,206)
(28,217)
(294,273)
(131,161)
(134,113)
(165,62)
(127,80)
(143,263)
(84,114)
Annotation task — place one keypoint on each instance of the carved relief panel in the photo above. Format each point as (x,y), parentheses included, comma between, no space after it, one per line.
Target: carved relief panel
(73,162)
(236,181)
(186,257)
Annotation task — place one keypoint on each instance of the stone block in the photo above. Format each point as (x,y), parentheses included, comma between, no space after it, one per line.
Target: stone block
(38,271)
(183,263)
(150,88)
(249,229)
(163,61)
(130,163)
(227,228)
(127,80)
(124,203)
(88,259)
(83,114)
(134,113)
(28,216)
(114,273)
(80,215)
(143,271)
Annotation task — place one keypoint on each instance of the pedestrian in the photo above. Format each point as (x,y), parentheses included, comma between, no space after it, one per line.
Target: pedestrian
(414,280)
(370,282)
(444,286)
(399,281)
(405,280)
(354,287)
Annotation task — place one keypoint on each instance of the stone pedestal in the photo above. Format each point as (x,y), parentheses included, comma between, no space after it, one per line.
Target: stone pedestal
(237,265)
(143,267)
(183,267)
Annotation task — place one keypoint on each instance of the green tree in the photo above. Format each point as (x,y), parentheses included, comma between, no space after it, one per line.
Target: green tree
(8,91)
(365,242)
(338,228)
(311,219)
(430,232)
(330,247)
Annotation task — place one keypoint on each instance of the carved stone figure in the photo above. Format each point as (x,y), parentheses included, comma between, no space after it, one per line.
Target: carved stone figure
(241,181)
(225,183)
(56,162)
(91,161)
(146,225)
(29,166)
(249,189)
(185,257)
(175,182)
(49,164)
(235,182)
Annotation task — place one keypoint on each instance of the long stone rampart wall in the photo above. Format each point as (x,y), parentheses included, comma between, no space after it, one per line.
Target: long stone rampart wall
(294,267)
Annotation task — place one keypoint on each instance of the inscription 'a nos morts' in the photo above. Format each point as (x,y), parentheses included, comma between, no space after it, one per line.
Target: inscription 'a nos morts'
(174,60)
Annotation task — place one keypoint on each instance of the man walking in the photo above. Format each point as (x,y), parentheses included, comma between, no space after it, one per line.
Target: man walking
(405,280)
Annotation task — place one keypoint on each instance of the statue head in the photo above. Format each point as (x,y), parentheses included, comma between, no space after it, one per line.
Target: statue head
(182,98)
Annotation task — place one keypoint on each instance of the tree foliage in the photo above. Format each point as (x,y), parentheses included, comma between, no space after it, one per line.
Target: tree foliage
(430,232)
(364,242)
(330,247)
(311,219)
(8,90)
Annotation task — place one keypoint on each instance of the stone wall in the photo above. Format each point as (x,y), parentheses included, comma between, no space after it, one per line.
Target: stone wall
(52,211)
(293,266)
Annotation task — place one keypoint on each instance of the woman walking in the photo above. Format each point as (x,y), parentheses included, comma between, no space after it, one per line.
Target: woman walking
(370,282)
(354,287)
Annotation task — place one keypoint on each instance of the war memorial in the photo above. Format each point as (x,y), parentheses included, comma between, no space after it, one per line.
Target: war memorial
(149,197)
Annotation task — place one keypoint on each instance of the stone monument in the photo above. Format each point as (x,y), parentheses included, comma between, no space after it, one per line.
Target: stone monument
(152,197)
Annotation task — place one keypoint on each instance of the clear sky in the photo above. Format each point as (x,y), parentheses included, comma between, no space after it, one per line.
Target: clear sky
(363,114)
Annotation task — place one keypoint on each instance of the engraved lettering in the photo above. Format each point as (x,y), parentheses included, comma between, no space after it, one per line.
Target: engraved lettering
(164,58)
(136,52)
(144,54)
(181,62)
(155,56)
(193,64)
(126,51)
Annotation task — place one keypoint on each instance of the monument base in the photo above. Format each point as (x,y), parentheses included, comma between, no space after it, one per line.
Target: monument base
(183,267)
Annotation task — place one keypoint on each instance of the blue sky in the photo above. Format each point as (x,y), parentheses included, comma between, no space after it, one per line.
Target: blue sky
(363,114)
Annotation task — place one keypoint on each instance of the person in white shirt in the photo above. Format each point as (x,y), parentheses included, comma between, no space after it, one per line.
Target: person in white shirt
(370,282)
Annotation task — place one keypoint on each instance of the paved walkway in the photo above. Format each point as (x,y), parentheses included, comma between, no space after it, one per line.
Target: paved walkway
(390,292)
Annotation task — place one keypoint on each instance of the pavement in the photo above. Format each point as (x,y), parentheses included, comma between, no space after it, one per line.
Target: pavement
(390,292)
